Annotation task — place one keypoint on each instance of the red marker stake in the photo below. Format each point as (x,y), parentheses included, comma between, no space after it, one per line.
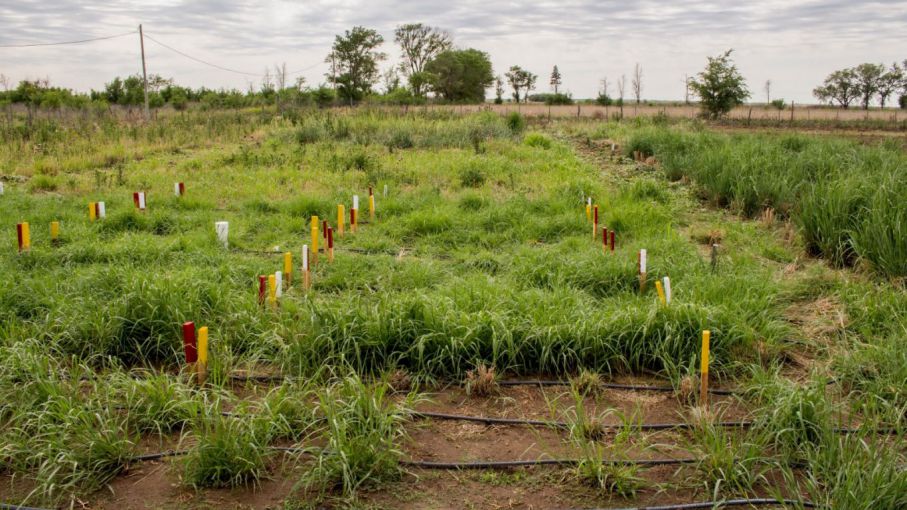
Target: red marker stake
(135,199)
(605,239)
(353,219)
(612,240)
(97,210)
(189,342)
(330,244)
(262,289)
(324,228)
(19,234)
(182,189)
(594,222)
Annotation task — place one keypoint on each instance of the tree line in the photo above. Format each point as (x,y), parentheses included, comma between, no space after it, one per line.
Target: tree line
(863,84)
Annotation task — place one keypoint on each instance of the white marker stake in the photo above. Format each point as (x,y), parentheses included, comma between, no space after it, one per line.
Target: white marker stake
(356,202)
(176,188)
(102,210)
(305,257)
(223,229)
(142,200)
(385,190)
(642,261)
(667,286)
(278,282)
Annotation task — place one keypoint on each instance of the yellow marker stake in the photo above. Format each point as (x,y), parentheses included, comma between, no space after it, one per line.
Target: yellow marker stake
(371,206)
(288,267)
(272,290)
(340,219)
(315,236)
(661,292)
(202,364)
(54,231)
(26,236)
(704,369)
(91,211)
(588,211)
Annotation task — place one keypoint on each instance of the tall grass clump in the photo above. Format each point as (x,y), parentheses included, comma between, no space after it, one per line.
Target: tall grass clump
(229,451)
(362,433)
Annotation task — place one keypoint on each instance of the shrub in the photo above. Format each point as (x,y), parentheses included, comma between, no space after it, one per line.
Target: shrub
(42,183)
(516,123)
(537,140)
(778,104)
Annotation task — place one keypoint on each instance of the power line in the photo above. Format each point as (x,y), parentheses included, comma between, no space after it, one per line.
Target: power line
(81,41)
(190,57)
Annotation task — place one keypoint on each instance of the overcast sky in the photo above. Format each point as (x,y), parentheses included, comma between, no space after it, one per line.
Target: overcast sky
(795,43)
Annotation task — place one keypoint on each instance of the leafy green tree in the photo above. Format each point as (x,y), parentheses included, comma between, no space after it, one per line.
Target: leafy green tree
(520,79)
(419,44)
(890,82)
(556,79)
(867,79)
(839,87)
(354,61)
(720,86)
(461,75)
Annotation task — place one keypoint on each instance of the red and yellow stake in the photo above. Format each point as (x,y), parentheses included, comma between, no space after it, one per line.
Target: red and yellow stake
(704,369)
(23,233)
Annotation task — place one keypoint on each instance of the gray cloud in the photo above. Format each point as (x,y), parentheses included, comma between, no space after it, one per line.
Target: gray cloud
(793,42)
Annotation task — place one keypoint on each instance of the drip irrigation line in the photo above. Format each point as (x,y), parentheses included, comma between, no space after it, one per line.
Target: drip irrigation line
(613,386)
(504,464)
(723,503)
(80,41)
(564,425)
(9,506)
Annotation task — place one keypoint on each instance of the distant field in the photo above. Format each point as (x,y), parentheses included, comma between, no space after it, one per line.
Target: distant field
(755,113)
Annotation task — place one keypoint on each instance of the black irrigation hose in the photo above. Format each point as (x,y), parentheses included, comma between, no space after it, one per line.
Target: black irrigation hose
(614,386)
(504,464)
(564,425)
(724,503)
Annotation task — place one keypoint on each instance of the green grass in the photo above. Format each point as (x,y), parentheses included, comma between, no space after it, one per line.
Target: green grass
(480,255)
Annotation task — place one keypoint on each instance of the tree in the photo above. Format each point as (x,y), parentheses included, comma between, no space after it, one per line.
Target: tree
(637,82)
(460,75)
(890,82)
(840,86)
(498,90)
(867,78)
(555,79)
(720,86)
(354,61)
(520,79)
(768,91)
(603,98)
(391,80)
(419,45)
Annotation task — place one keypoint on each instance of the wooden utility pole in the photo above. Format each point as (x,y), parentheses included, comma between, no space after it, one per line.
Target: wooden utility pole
(144,71)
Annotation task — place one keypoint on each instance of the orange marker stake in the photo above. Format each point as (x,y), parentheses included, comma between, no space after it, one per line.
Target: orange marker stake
(704,369)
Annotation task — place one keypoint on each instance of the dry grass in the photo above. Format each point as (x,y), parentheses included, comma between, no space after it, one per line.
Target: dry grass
(481,382)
